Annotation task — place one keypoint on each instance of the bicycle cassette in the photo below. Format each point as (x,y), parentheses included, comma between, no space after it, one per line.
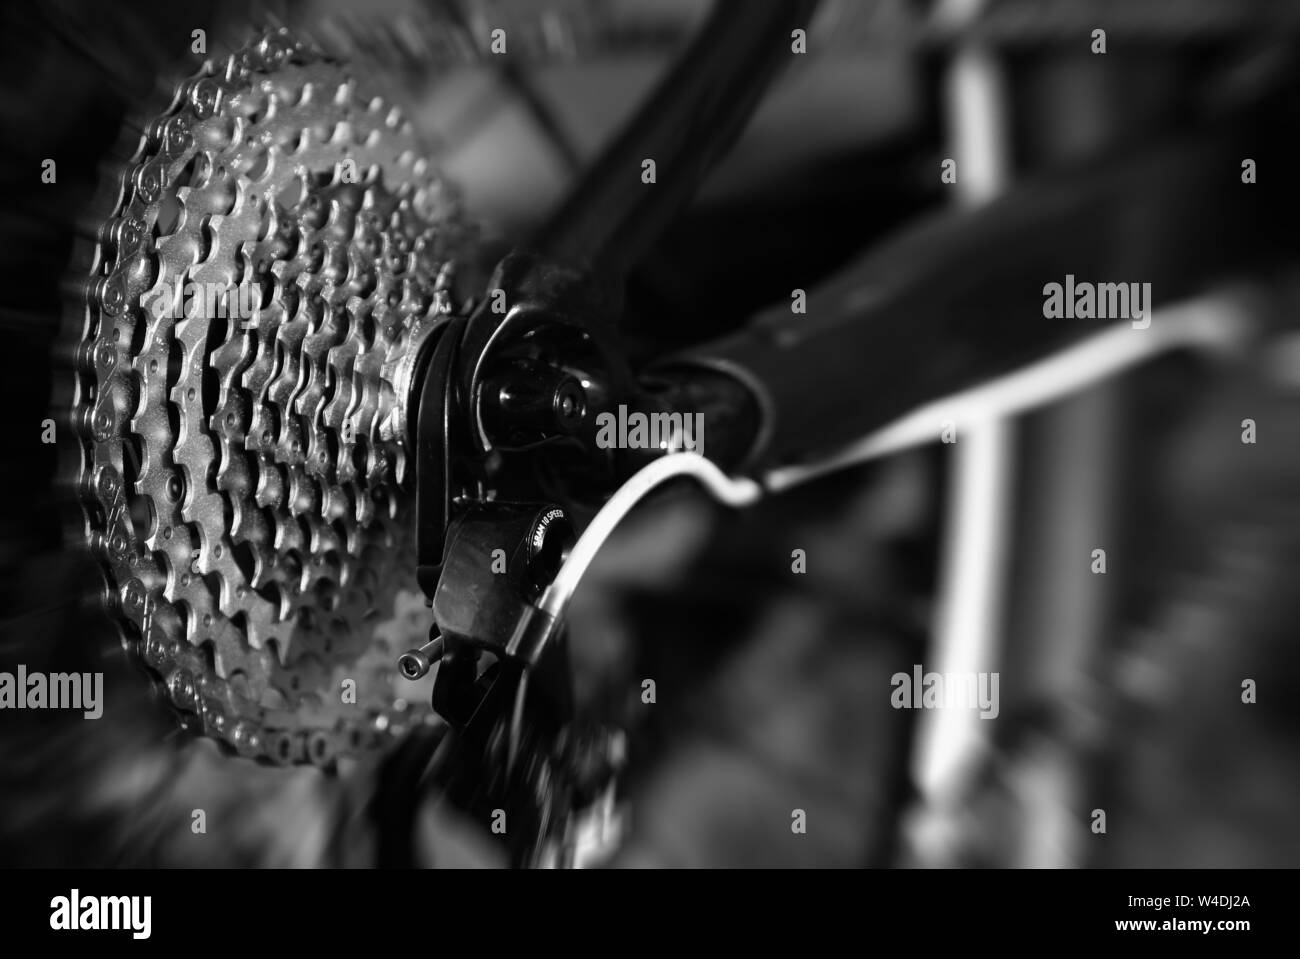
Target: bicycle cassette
(279,249)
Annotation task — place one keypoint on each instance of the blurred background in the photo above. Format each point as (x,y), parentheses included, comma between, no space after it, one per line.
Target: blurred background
(1120,692)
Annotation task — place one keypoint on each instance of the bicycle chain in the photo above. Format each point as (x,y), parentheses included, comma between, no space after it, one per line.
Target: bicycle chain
(241,476)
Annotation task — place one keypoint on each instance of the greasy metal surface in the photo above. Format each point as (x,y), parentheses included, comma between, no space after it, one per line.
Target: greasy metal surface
(240,476)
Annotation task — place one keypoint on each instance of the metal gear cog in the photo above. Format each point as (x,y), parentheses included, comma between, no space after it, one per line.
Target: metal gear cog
(242,450)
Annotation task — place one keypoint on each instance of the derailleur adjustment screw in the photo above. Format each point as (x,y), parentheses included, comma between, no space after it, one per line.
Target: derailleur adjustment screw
(415,663)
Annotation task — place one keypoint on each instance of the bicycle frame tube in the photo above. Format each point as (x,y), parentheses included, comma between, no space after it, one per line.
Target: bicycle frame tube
(962,298)
(610,219)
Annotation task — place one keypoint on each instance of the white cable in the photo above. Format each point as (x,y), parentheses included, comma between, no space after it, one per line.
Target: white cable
(729,491)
